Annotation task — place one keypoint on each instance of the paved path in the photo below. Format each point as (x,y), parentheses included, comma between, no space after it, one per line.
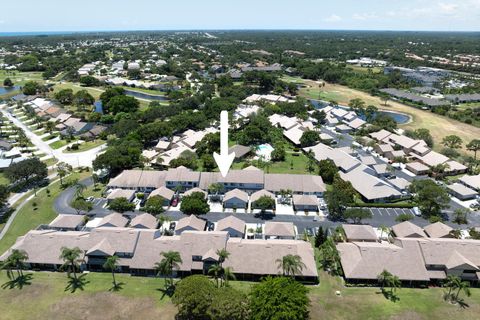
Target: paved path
(78,159)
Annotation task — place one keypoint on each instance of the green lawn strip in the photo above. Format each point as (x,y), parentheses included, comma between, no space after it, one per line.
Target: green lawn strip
(88,145)
(19,78)
(147,91)
(3,179)
(28,218)
(50,137)
(59,143)
(96,191)
(50,162)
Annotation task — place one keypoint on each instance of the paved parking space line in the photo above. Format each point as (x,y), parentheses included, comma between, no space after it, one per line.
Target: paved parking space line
(398,211)
(373,212)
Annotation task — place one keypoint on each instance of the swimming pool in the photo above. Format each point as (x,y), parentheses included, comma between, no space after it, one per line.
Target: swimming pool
(264,151)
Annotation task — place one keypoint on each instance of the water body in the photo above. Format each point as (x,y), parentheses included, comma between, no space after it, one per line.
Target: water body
(399,118)
(5,90)
(35,33)
(98,106)
(143,95)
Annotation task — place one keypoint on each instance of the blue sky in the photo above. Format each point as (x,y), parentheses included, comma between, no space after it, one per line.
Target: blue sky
(89,15)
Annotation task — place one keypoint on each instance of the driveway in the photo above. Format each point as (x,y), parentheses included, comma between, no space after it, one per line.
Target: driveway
(78,159)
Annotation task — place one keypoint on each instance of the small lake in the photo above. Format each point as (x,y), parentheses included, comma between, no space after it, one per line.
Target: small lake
(98,106)
(5,90)
(399,118)
(143,95)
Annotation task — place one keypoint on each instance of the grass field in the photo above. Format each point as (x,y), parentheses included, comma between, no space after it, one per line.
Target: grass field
(3,179)
(30,217)
(19,78)
(86,146)
(439,126)
(58,144)
(141,298)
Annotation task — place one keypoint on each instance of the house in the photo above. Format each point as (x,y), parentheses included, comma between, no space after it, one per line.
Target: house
(67,222)
(354,232)
(236,199)
(382,149)
(195,190)
(181,177)
(113,220)
(231,224)
(407,229)
(472,182)
(297,183)
(302,202)
(400,184)
(190,223)
(461,191)
(249,180)
(259,194)
(417,168)
(165,193)
(438,230)
(279,230)
(139,180)
(121,193)
(5,145)
(144,221)
(240,151)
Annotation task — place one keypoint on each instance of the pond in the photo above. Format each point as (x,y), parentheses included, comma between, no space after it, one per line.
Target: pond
(98,106)
(5,90)
(143,95)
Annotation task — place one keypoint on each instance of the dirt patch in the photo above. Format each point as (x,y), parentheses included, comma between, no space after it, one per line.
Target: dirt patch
(407,315)
(106,305)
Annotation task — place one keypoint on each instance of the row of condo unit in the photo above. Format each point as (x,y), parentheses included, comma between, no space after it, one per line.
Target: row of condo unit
(65,122)
(420,157)
(139,245)
(293,127)
(415,255)
(241,187)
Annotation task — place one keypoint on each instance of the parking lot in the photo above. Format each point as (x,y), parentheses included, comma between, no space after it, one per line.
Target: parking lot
(390,211)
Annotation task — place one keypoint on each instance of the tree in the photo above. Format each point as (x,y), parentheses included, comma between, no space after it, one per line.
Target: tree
(122,103)
(154,205)
(228,304)
(309,138)
(279,298)
(216,270)
(357,105)
(452,141)
(357,214)
(31,88)
(320,237)
(89,81)
(16,260)
(71,260)
(291,265)
(8,83)
(430,197)
(474,146)
(320,116)
(193,297)
(171,261)
(327,170)
(387,279)
(28,171)
(62,170)
(80,205)
(423,134)
(339,197)
(329,258)
(209,163)
(194,203)
(108,94)
(264,203)
(82,98)
(454,283)
(460,216)
(121,205)
(278,153)
(65,96)
(112,265)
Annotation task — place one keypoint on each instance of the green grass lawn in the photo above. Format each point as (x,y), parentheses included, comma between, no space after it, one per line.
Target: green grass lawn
(87,146)
(19,78)
(96,191)
(3,179)
(140,298)
(50,162)
(29,218)
(59,143)
(148,91)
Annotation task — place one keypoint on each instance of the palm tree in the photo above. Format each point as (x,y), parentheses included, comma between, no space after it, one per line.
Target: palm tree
(451,282)
(394,283)
(383,278)
(71,259)
(79,189)
(216,271)
(463,286)
(171,260)
(228,275)
(16,260)
(474,146)
(223,255)
(383,229)
(112,264)
(291,265)
(8,266)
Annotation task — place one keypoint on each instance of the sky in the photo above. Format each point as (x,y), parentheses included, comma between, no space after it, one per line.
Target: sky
(107,15)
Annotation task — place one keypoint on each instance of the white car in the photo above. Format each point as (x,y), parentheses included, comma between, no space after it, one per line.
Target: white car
(417,211)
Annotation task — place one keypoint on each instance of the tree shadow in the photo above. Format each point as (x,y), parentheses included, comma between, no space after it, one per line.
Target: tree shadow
(463,304)
(390,295)
(168,291)
(19,282)
(75,284)
(117,287)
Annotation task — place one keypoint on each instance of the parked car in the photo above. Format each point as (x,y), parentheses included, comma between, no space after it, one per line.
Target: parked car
(174,202)
(90,199)
(417,211)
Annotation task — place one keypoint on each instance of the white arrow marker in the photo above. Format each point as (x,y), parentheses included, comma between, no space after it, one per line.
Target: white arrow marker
(224,160)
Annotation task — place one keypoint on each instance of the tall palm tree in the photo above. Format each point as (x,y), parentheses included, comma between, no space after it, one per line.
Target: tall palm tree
(291,265)
(112,264)
(451,282)
(171,260)
(71,259)
(463,286)
(394,283)
(223,255)
(383,278)
(383,229)
(18,258)
(79,189)
(8,266)
(228,275)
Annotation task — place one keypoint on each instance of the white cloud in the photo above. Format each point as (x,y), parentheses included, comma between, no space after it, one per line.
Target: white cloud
(333,18)
(364,16)
(448,8)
